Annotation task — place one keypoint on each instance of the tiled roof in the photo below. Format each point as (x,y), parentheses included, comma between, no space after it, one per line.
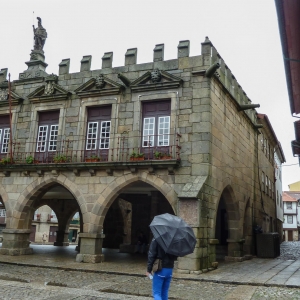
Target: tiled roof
(290,196)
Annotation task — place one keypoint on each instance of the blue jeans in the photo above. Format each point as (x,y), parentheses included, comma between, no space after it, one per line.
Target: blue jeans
(161,283)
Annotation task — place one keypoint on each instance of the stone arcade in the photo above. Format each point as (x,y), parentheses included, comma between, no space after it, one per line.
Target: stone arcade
(98,139)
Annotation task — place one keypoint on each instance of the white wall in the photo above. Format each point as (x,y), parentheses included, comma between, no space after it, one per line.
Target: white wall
(278,186)
(291,212)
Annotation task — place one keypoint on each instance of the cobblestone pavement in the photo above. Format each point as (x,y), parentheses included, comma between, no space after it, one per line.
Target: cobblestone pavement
(290,250)
(52,273)
(23,282)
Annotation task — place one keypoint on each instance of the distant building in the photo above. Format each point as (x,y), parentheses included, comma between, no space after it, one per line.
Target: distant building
(45,225)
(291,216)
(294,186)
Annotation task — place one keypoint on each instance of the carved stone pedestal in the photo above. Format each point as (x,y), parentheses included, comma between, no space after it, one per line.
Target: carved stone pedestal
(16,242)
(90,248)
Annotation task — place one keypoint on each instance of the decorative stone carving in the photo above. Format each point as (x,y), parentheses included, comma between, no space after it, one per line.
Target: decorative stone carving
(33,56)
(50,81)
(40,35)
(155,76)
(3,94)
(100,83)
(49,88)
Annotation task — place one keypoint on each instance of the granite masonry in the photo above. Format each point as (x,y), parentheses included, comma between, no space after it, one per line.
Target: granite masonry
(123,144)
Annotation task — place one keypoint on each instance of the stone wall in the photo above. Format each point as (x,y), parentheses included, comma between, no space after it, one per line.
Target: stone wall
(218,148)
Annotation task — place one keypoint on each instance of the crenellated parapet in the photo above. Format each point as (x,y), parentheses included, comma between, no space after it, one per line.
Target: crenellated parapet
(209,64)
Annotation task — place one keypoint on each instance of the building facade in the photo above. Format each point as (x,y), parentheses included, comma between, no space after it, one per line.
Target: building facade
(120,145)
(291,217)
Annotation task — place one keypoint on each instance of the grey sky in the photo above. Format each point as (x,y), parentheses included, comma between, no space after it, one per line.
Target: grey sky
(245,33)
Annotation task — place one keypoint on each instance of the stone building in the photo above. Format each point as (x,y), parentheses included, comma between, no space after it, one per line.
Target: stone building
(123,144)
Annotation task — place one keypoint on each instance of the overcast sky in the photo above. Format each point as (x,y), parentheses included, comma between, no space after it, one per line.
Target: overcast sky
(244,32)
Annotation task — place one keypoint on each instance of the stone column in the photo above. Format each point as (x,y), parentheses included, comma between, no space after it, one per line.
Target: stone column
(189,211)
(62,238)
(235,250)
(90,248)
(16,242)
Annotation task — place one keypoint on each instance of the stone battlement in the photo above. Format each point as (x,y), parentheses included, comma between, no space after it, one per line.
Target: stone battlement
(183,63)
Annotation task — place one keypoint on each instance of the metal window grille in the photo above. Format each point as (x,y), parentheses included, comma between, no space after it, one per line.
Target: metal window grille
(148,132)
(91,141)
(5,142)
(104,135)
(163,131)
(42,138)
(53,138)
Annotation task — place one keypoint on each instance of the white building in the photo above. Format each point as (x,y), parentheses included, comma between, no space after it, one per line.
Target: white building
(279,159)
(290,216)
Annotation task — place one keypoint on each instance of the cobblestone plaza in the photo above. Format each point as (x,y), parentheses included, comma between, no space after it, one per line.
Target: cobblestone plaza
(49,275)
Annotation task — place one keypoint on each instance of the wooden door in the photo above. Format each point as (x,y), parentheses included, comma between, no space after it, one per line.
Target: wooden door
(290,235)
(52,234)
(32,233)
(98,133)
(156,128)
(47,136)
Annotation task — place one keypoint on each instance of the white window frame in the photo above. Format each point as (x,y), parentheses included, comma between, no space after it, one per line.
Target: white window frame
(104,135)
(42,139)
(263,181)
(92,136)
(2,213)
(267,187)
(289,219)
(163,131)
(53,138)
(148,133)
(289,205)
(5,141)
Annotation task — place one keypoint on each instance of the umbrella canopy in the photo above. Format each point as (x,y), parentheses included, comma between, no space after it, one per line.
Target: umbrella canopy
(173,234)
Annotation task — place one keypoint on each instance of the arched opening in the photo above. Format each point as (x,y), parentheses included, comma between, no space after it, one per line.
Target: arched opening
(221,230)
(50,213)
(130,214)
(227,223)
(248,229)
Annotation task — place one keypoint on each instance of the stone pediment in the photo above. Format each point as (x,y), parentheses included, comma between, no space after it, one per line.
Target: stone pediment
(99,86)
(51,91)
(155,80)
(15,98)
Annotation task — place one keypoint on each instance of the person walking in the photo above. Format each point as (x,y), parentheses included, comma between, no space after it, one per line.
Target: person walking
(161,278)
(173,237)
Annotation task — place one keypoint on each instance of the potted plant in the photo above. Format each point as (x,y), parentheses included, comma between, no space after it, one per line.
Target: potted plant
(5,160)
(93,158)
(166,155)
(136,156)
(60,158)
(29,159)
(157,155)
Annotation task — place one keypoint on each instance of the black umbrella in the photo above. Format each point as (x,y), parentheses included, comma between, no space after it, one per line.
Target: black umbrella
(173,234)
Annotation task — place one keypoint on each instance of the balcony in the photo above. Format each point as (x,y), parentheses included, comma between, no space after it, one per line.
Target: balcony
(117,153)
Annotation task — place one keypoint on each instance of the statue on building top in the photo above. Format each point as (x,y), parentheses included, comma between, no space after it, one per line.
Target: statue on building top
(40,35)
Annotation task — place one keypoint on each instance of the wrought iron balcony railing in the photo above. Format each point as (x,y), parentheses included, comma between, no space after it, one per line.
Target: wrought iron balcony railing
(118,149)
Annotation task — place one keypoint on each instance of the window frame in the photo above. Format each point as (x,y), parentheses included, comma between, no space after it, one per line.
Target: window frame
(291,218)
